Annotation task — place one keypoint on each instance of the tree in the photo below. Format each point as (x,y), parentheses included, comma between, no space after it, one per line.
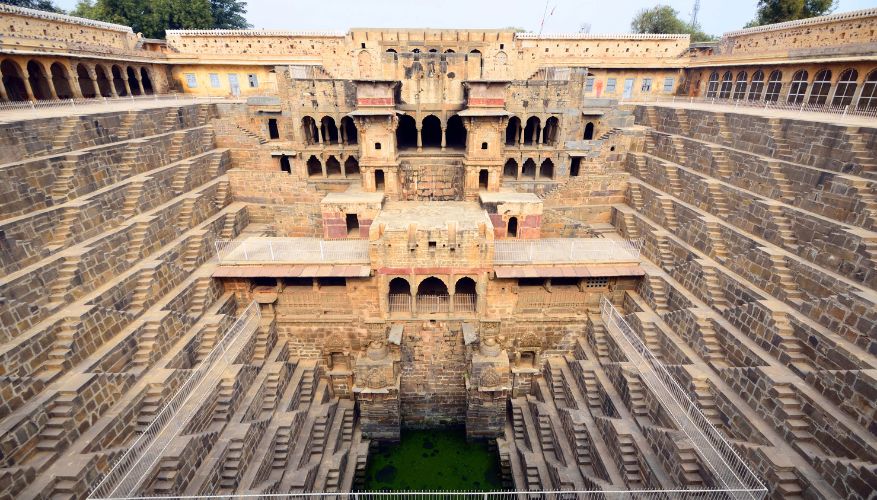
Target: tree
(663,19)
(46,5)
(153,17)
(229,14)
(777,11)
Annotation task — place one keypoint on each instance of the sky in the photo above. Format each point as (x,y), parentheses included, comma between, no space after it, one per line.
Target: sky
(604,16)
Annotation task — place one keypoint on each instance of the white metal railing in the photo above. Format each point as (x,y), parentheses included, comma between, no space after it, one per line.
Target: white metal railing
(292,250)
(433,303)
(566,250)
(134,466)
(399,302)
(465,302)
(675,494)
(98,101)
(781,103)
(728,469)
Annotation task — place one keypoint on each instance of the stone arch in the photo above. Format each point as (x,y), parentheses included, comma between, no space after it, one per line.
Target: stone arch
(348,130)
(740,85)
(510,169)
(511,230)
(364,63)
(546,169)
(449,51)
(39,82)
(531,131)
(329,129)
(309,128)
(13,80)
(455,132)
(868,98)
(821,87)
(431,131)
(589,131)
(104,84)
(846,87)
(132,81)
(333,167)
(61,81)
(712,86)
(465,295)
(774,86)
(406,132)
(502,58)
(529,169)
(315,168)
(432,286)
(433,296)
(513,131)
(399,295)
(86,86)
(552,130)
(351,167)
(118,81)
(798,87)
(146,82)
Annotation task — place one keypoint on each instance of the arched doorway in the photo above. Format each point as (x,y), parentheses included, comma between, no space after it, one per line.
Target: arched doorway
(103,82)
(529,169)
(333,167)
(132,81)
(589,131)
(309,128)
(406,132)
(399,295)
(712,86)
(329,129)
(550,135)
(39,83)
(13,81)
(546,170)
(349,133)
(86,86)
(315,168)
(61,81)
(118,82)
(465,295)
(512,228)
(146,81)
(531,132)
(510,169)
(432,296)
(431,132)
(351,167)
(456,133)
(285,165)
(513,131)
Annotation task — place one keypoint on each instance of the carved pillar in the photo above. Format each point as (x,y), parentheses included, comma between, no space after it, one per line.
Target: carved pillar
(540,139)
(320,134)
(419,140)
(376,389)
(444,138)
(127,86)
(25,76)
(3,94)
(487,391)
(138,82)
(75,87)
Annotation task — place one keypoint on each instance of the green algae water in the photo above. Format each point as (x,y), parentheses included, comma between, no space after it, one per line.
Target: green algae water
(433,460)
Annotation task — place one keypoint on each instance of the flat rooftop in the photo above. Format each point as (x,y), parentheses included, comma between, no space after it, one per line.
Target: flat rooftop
(398,215)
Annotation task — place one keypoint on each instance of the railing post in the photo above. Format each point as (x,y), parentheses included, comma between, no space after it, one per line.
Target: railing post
(271,250)
(846,108)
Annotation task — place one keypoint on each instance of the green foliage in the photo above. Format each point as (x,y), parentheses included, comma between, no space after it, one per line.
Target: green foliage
(229,14)
(46,5)
(663,19)
(153,17)
(777,11)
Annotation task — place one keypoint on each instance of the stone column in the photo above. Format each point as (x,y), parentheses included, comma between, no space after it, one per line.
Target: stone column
(518,134)
(127,86)
(92,76)
(51,82)
(112,81)
(343,132)
(419,140)
(320,134)
(25,76)
(3,94)
(138,82)
(75,88)
(323,166)
(540,139)
(444,138)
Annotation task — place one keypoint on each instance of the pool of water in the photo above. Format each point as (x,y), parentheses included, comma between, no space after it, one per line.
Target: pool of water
(433,460)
